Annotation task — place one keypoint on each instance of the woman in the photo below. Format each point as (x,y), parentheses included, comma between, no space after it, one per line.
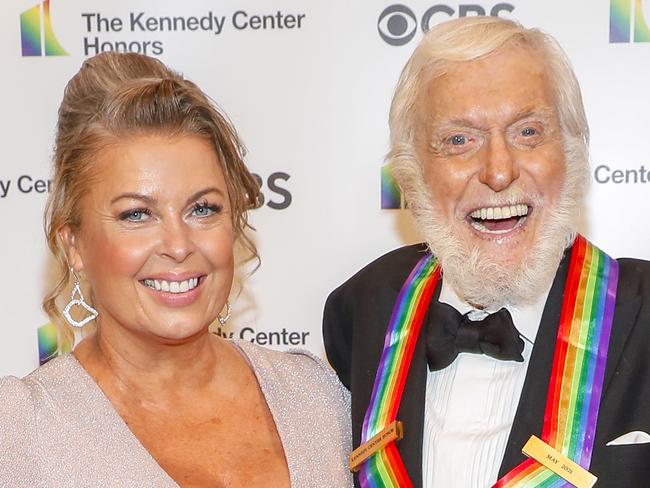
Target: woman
(150,195)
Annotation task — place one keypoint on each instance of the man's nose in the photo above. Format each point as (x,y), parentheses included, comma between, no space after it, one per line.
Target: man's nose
(499,168)
(177,243)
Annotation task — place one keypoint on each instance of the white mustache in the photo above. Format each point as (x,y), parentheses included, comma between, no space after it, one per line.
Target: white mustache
(511,196)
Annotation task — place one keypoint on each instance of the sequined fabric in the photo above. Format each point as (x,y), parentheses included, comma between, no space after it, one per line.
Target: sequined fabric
(58,429)
(311,410)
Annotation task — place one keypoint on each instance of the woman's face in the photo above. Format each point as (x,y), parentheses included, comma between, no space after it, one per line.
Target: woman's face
(156,239)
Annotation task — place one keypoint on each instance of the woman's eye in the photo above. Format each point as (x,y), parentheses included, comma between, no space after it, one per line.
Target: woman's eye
(205,209)
(135,215)
(529,132)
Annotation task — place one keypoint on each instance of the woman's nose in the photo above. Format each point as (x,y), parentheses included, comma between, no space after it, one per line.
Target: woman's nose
(177,241)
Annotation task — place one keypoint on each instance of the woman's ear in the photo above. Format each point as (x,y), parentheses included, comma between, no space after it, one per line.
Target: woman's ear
(70,245)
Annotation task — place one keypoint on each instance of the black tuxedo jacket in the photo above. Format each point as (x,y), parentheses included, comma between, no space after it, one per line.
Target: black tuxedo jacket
(354,325)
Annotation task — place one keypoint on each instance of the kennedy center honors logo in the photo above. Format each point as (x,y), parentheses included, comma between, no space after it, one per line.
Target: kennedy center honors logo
(36,33)
(627,22)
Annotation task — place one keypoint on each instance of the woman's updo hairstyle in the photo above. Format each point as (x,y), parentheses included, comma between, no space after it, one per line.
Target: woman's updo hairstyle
(114,96)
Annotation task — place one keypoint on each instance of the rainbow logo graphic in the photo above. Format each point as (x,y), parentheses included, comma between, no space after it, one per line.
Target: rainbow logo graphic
(391,197)
(36,34)
(48,341)
(627,22)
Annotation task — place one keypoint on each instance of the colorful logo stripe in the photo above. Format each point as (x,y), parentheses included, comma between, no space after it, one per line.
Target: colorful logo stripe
(386,468)
(575,388)
(641,30)
(47,343)
(391,197)
(37,39)
(621,22)
(30,31)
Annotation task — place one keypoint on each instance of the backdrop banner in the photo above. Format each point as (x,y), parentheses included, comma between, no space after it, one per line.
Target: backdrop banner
(308,86)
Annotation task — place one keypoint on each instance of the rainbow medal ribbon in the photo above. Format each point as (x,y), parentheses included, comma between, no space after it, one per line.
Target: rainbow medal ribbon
(576,380)
(385,467)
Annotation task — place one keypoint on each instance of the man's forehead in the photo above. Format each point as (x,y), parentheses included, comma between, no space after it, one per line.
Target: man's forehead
(509,83)
(511,59)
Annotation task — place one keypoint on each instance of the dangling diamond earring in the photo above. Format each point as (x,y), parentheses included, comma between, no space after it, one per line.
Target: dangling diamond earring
(223,320)
(77,298)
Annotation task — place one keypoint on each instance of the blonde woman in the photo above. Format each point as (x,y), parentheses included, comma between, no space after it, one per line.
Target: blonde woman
(150,196)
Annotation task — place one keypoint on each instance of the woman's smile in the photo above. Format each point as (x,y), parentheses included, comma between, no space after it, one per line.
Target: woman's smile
(175,291)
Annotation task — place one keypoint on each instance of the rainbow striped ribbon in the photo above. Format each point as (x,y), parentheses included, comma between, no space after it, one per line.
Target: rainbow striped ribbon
(576,379)
(385,468)
(576,383)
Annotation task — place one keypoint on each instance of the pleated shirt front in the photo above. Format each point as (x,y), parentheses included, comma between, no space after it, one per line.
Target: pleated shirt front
(471,405)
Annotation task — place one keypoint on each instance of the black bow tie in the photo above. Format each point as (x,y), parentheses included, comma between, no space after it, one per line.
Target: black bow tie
(449,332)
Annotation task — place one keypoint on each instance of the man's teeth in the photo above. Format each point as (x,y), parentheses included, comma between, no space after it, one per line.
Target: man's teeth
(173,286)
(498,213)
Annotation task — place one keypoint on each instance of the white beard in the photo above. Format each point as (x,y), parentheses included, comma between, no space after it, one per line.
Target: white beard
(472,273)
(483,282)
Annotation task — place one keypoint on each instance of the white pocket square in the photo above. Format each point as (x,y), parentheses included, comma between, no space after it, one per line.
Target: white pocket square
(635,437)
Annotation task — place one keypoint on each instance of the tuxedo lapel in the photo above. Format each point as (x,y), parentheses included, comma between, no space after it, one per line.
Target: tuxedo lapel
(530,412)
(626,311)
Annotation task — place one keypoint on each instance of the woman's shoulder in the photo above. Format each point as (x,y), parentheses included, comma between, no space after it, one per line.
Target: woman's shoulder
(17,434)
(15,400)
(295,366)
(21,400)
(21,395)
(51,376)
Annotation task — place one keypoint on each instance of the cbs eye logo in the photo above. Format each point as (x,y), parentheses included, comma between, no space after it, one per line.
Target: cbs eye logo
(397,24)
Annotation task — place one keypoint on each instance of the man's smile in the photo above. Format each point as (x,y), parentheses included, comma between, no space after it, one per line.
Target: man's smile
(496,221)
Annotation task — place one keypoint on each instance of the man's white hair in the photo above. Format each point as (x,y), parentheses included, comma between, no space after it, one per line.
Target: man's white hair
(479,280)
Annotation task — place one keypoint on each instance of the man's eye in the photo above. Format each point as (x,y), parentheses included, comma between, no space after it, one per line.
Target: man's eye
(457,140)
(135,215)
(460,142)
(529,132)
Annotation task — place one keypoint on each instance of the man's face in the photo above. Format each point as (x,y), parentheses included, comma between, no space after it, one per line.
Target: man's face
(491,150)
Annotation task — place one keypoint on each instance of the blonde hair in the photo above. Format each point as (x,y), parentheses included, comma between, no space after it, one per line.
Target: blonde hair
(123,94)
(468,39)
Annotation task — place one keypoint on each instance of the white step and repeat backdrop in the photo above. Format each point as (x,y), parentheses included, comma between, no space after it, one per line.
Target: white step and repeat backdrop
(308,85)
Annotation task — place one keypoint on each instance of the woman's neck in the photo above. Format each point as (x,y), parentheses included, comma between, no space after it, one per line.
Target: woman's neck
(151,368)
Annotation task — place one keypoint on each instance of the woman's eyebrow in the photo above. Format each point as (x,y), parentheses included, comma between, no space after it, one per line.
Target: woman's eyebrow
(135,196)
(152,200)
(205,191)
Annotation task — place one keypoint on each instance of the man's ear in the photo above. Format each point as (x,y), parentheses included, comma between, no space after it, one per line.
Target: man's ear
(71,247)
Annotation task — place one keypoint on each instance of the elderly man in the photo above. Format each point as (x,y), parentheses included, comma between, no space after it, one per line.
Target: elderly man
(506,323)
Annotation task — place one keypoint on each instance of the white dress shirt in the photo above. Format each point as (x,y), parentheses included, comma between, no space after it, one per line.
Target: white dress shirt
(471,405)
